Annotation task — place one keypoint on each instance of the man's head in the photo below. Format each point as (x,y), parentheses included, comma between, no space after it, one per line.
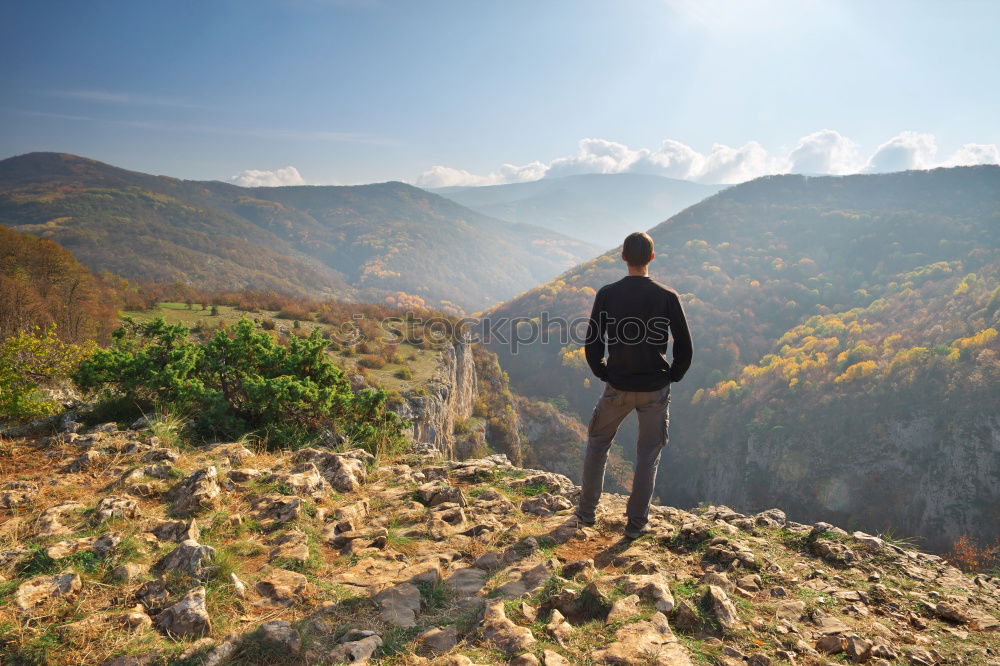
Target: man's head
(637,250)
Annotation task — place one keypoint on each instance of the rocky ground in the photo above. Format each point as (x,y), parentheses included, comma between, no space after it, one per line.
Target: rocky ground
(117,548)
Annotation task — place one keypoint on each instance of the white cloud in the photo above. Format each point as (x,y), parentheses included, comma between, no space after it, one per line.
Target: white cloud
(442,176)
(257,178)
(907,150)
(820,153)
(974,153)
(826,152)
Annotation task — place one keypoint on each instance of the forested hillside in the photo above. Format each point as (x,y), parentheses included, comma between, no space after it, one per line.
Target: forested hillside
(366,242)
(42,284)
(831,316)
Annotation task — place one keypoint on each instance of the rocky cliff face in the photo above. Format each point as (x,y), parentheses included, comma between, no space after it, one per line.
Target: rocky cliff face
(119,550)
(444,401)
(936,480)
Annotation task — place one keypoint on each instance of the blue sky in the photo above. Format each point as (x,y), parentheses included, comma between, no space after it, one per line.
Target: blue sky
(448,92)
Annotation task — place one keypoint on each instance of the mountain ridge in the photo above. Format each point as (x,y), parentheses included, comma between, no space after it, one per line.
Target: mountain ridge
(368,241)
(600,208)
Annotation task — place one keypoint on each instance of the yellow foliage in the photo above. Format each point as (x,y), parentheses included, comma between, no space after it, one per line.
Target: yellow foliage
(574,358)
(890,343)
(980,339)
(857,371)
(907,357)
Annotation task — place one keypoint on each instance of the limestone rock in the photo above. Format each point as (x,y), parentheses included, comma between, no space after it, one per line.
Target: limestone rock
(500,631)
(346,472)
(558,627)
(279,636)
(952,613)
(466,582)
(647,642)
(160,455)
(399,604)
(233,453)
(438,492)
(276,508)
(437,641)
(722,608)
(116,507)
(190,557)
(17,494)
(137,619)
(197,493)
(49,523)
(356,651)
(303,479)
(552,658)
(41,589)
(83,461)
(100,546)
(282,586)
(624,608)
(187,618)
(292,545)
(651,587)
(790,610)
(152,595)
(545,504)
(176,530)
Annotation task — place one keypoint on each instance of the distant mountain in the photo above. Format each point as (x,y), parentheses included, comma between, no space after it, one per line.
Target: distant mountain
(847,360)
(598,208)
(361,242)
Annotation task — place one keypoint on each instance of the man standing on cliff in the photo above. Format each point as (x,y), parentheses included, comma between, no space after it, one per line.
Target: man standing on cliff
(632,317)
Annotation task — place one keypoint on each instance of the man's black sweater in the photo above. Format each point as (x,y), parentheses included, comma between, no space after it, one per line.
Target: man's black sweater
(633,317)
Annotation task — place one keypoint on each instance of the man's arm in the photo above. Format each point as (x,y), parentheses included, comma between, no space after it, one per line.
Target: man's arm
(596,332)
(683,349)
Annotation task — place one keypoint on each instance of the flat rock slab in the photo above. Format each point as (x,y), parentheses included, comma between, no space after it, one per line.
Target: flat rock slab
(466,582)
(399,604)
(644,643)
(38,590)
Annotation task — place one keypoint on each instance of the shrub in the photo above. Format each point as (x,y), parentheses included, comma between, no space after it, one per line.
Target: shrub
(29,361)
(404,373)
(372,361)
(240,381)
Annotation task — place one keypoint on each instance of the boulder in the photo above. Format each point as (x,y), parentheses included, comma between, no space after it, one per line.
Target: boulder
(176,530)
(718,603)
(41,589)
(198,492)
(278,636)
(346,472)
(624,608)
(187,618)
(303,479)
(190,557)
(115,507)
(358,650)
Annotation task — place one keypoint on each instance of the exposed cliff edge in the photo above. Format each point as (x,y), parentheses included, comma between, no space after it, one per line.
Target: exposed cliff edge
(447,399)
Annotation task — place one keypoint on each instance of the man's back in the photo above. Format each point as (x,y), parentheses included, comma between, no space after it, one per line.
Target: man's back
(634,316)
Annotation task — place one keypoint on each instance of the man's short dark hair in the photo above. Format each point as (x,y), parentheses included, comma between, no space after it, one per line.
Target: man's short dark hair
(637,249)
